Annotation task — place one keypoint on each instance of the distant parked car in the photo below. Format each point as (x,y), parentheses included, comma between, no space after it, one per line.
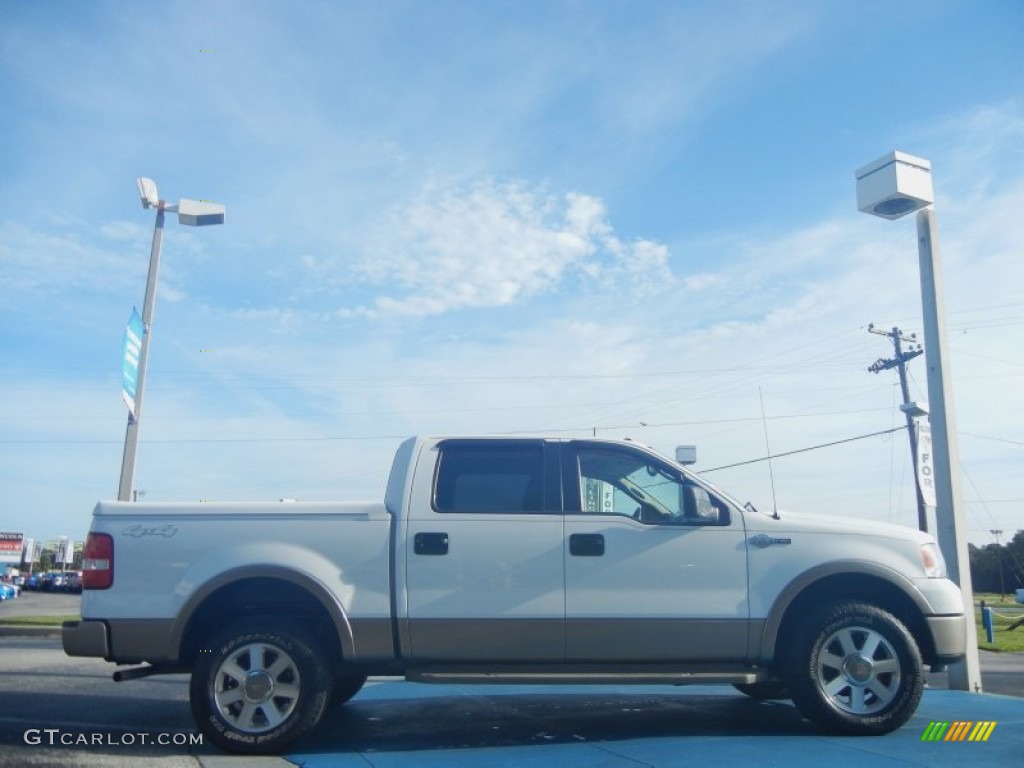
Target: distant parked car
(52,582)
(72,581)
(32,582)
(9,591)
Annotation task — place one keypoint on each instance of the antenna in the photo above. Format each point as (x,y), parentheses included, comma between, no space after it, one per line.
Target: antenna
(771,472)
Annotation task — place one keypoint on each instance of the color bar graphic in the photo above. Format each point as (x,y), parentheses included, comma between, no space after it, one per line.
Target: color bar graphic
(958,730)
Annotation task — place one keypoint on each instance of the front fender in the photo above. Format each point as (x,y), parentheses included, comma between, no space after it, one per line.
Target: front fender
(763,647)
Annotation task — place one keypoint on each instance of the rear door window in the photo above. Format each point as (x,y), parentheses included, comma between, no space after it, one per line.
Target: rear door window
(490,476)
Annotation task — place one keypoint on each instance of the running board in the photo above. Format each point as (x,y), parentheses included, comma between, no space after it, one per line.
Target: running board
(619,676)
(135,673)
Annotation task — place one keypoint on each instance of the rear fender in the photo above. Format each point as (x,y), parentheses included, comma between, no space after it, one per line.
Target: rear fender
(311,584)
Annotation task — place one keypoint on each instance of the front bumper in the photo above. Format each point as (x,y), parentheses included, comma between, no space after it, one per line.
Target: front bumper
(85,638)
(949,633)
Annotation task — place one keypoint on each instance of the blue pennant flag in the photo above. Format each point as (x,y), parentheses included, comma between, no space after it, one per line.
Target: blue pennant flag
(130,360)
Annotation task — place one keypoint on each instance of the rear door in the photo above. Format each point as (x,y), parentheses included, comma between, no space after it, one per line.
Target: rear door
(655,564)
(485,576)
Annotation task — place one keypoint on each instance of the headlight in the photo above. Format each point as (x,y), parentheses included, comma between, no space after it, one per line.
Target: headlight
(931,559)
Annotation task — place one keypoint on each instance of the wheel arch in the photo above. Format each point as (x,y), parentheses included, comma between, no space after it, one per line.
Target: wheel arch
(256,590)
(860,581)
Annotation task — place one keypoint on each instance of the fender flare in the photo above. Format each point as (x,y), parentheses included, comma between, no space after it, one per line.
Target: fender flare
(342,625)
(765,649)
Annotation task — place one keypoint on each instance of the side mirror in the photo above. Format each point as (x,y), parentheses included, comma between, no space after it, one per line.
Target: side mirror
(697,507)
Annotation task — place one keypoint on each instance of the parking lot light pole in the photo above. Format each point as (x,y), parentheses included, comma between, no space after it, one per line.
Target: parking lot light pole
(891,187)
(193,213)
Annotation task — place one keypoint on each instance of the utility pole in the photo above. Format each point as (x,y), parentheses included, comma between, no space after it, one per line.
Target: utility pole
(899,362)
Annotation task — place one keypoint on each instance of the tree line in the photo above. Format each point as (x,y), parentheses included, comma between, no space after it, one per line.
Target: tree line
(998,568)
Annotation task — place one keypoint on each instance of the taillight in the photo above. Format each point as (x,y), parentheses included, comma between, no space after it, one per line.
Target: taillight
(98,561)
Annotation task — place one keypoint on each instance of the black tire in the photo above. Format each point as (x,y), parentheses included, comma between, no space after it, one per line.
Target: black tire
(766,690)
(258,686)
(345,688)
(855,669)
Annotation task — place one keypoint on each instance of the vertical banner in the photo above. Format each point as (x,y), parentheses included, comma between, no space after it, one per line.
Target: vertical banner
(130,360)
(591,495)
(598,497)
(65,551)
(925,465)
(607,498)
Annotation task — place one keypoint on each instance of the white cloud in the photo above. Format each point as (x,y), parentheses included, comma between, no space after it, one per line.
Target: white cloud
(689,57)
(34,264)
(702,281)
(494,244)
(71,262)
(126,231)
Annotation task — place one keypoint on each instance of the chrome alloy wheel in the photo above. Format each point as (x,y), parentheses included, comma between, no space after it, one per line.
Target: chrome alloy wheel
(257,687)
(858,670)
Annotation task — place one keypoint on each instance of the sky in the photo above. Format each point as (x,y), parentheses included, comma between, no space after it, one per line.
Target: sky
(631,219)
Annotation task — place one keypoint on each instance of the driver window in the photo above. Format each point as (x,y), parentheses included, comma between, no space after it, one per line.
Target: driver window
(615,482)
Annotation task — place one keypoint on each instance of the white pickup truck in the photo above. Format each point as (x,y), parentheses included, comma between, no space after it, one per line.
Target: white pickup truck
(529,560)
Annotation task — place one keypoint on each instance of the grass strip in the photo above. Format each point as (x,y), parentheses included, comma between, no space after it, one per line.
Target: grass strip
(36,621)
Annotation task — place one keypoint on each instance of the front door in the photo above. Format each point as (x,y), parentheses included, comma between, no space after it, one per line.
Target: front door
(655,564)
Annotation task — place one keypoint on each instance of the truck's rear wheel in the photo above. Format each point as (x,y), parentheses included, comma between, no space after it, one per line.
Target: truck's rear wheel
(855,669)
(259,685)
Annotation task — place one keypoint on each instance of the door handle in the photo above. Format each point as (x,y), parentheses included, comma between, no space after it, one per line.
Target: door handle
(430,544)
(586,544)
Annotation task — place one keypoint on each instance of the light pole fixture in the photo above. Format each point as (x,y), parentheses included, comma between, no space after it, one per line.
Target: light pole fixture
(891,187)
(914,409)
(686,454)
(193,213)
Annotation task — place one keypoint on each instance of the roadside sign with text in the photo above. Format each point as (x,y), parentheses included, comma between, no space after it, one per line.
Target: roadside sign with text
(130,361)
(925,463)
(10,547)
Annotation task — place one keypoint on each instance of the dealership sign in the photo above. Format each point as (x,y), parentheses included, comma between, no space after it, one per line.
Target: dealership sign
(925,464)
(10,547)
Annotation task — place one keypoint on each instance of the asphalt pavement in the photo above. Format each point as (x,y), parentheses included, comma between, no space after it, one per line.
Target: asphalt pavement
(393,724)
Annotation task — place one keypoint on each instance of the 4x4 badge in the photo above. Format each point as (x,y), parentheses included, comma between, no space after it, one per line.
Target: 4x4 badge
(138,531)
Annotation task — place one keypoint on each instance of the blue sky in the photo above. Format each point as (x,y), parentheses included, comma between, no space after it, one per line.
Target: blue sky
(454,217)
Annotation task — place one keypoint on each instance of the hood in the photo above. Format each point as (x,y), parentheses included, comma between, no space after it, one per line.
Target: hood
(802,522)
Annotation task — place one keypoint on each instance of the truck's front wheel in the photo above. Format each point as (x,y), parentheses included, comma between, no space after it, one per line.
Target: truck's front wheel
(258,686)
(855,669)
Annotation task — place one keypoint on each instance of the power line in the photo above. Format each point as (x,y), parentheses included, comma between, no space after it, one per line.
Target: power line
(804,450)
(568,430)
(996,439)
(208,440)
